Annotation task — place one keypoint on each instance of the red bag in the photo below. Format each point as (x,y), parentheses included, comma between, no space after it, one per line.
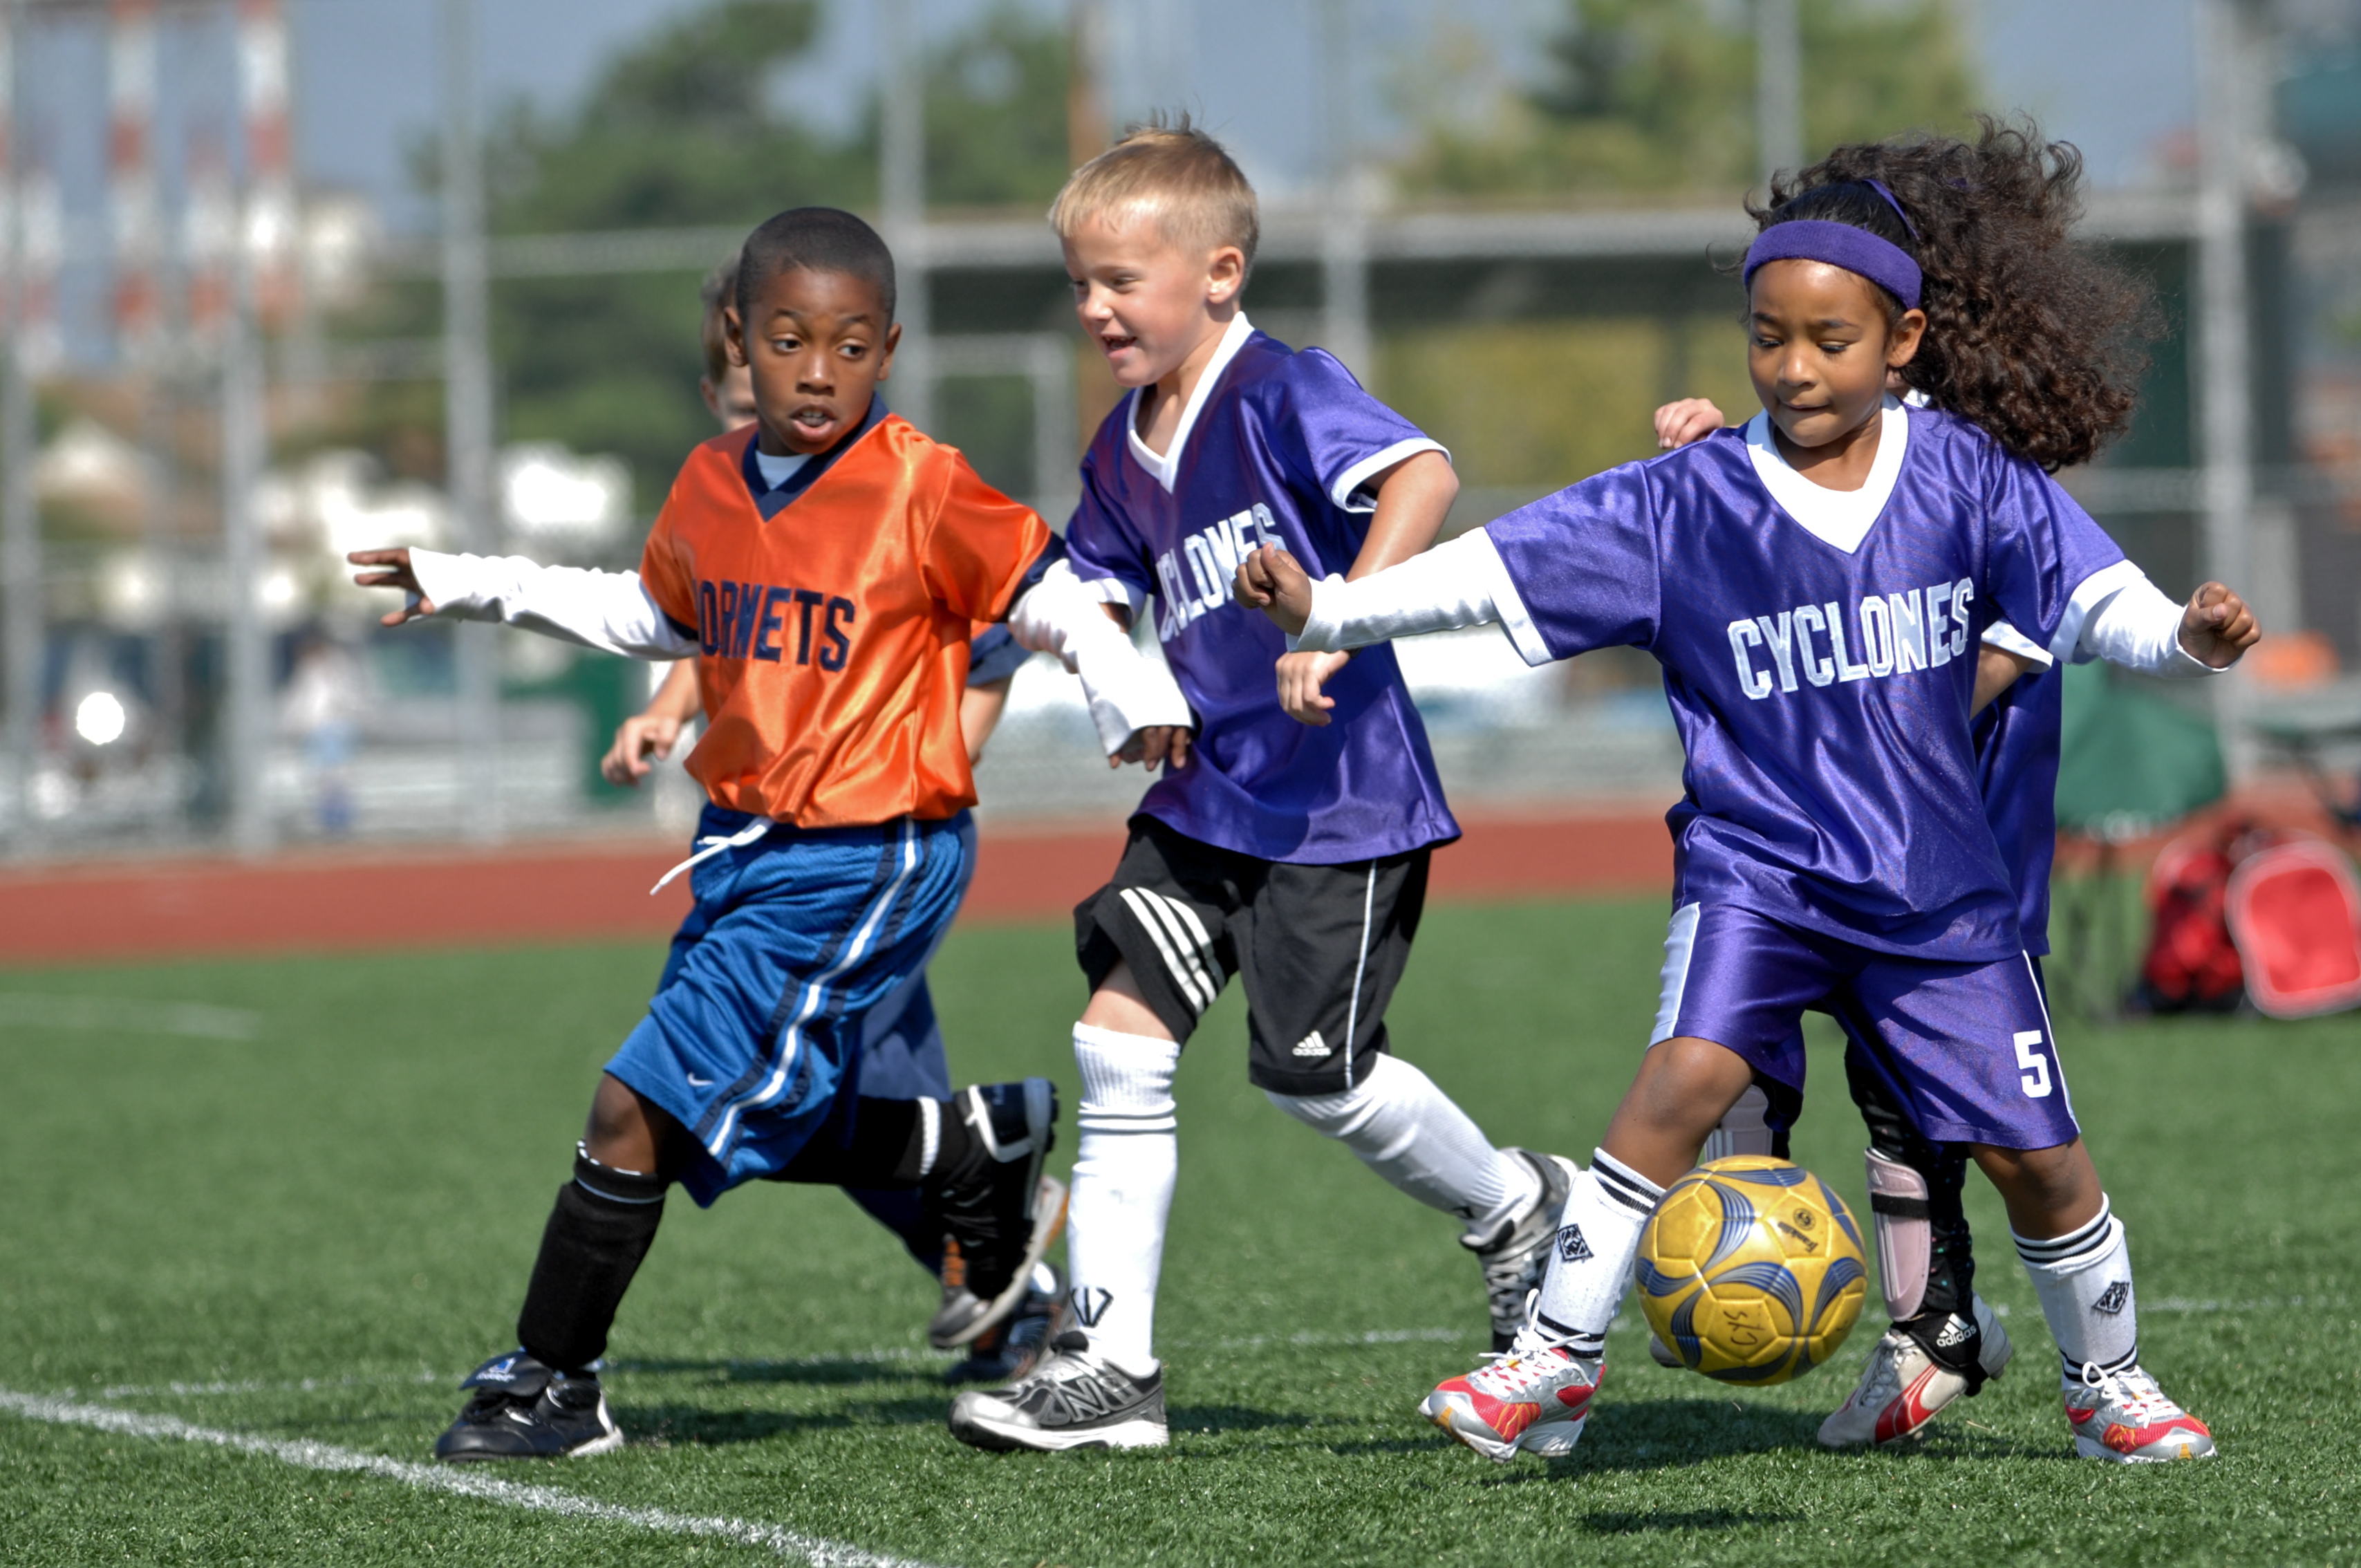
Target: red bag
(2192,966)
(2295,913)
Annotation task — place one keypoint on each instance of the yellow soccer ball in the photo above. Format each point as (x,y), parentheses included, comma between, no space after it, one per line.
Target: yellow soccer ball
(1751,1270)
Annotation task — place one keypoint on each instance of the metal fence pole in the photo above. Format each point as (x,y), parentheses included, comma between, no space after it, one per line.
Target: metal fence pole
(20,526)
(1345,247)
(467,411)
(1778,88)
(2222,367)
(246,731)
(902,192)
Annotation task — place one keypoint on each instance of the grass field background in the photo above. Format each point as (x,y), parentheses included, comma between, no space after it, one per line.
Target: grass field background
(312,1233)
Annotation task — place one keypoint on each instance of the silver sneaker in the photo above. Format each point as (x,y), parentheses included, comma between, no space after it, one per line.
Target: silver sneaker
(2125,1418)
(1515,1249)
(1073,1400)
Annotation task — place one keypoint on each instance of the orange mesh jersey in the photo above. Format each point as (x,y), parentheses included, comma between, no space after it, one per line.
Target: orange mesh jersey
(835,633)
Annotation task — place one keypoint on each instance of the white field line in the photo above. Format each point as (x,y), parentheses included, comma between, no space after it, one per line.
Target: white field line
(121,1015)
(256,1386)
(462,1482)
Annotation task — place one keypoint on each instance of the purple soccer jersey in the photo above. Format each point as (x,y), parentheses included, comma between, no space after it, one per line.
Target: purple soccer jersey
(1275,446)
(1818,655)
(2016,758)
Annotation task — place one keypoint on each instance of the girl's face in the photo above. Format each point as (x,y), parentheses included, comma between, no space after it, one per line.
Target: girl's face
(1820,341)
(1147,301)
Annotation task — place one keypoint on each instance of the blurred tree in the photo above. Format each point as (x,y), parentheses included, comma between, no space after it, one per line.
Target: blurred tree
(1658,96)
(692,125)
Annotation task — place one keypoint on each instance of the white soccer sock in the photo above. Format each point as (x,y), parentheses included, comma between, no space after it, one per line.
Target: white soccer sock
(1410,1133)
(1590,1265)
(2085,1280)
(1128,1157)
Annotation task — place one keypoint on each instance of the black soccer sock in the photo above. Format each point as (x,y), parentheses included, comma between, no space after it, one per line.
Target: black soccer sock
(893,1143)
(597,1233)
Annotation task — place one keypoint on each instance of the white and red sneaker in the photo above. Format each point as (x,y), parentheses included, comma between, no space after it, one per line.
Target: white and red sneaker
(1903,1387)
(1534,1400)
(2124,1417)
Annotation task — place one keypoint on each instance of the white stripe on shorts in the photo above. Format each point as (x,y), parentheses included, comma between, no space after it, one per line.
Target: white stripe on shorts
(1174,945)
(1680,945)
(856,948)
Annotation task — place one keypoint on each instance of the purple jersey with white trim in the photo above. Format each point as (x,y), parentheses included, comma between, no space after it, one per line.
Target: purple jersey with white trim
(1821,687)
(2016,762)
(1276,453)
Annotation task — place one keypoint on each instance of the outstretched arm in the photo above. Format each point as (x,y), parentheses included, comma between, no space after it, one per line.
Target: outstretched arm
(1414,496)
(1459,584)
(2136,627)
(1137,707)
(607,610)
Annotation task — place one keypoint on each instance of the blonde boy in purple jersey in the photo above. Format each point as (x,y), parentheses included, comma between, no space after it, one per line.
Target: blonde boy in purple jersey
(1293,857)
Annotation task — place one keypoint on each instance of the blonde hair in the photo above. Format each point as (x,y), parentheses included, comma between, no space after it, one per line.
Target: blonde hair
(1175,175)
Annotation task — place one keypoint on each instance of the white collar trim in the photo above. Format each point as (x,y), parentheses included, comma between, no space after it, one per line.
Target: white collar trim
(1163,469)
(1841,518)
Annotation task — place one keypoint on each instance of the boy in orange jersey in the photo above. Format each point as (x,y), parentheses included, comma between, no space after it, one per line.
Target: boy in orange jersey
(901,1043)
(826,566)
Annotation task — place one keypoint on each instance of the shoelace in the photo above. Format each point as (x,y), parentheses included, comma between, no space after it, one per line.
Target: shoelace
(2142,1400)
(1519,1369)
(713,844)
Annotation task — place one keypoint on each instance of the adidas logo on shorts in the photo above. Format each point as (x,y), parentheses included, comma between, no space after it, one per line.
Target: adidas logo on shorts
(2114,1299)
(1312,1044)
(1571,1247)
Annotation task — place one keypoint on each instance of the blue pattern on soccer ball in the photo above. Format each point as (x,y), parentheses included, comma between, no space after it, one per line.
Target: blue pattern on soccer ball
(1685,1335)
(1841,1272)
(1737,1224)
(1774,1279)
(1844,1218)
(1774,1175)
(1653,1282)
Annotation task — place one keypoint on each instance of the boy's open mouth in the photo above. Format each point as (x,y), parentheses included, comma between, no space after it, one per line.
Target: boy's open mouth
(1114,343)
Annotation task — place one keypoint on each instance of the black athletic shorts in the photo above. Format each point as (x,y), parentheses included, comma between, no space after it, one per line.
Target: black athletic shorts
(1320,948)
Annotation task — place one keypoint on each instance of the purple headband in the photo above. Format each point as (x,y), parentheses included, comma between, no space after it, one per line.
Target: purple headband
(1881,261)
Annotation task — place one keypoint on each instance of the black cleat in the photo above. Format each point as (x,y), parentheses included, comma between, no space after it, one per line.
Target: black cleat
(523,1410)
(1006,1354)
(1515,1250)
(998,1224)
(1073,1400)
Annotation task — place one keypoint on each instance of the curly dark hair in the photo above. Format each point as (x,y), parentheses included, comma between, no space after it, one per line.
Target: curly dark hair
(2036,339)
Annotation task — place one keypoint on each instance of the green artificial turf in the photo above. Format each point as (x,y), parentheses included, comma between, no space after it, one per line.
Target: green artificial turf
(315,1230)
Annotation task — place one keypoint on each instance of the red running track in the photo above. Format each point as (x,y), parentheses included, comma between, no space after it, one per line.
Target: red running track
(443,896)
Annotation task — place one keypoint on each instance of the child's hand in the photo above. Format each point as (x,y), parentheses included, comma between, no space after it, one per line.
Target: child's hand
(2217,627)
(1165,743)
(640,737)
(1270,580)
(1691,418)
(1300,676)
(397,575)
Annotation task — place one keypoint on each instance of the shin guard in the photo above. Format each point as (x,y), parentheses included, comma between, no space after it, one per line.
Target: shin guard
(602,1227)
(1899,1214)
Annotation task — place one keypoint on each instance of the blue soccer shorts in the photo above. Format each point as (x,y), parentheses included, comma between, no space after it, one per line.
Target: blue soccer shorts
(1965,1049)
(755,1028)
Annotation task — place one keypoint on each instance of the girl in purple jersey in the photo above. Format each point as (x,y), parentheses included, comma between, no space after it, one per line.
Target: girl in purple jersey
(1811,586)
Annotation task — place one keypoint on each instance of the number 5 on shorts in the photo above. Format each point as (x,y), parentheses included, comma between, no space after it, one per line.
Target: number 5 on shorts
(2035,1077)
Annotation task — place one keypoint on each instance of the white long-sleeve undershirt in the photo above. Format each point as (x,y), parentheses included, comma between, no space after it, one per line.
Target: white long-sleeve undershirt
(612,611)
(2116,615)
(607,610)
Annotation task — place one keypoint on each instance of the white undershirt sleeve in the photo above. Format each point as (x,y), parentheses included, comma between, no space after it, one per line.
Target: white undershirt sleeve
(607,610)
(1460,583)
(2136,627)
(1126,691)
